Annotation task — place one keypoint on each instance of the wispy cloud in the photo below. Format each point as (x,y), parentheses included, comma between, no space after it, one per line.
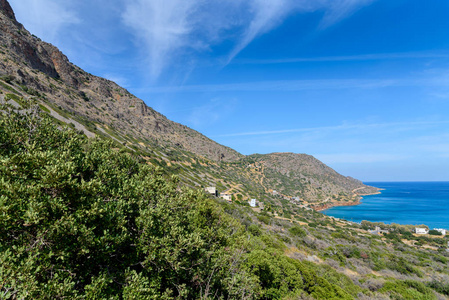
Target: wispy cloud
(266,14)
(169,29)
(338,10)
(301,85)
(364,57)
(408,125)
(162,26)
(45,18)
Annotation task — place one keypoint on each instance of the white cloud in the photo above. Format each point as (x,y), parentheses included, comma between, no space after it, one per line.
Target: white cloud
(290,85)
(167,29)
(44,18)
(364,57)
(338,10)
(266,14)
(163,26)
(346,127)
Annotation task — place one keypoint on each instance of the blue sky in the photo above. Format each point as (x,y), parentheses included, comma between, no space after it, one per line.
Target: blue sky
(363,85)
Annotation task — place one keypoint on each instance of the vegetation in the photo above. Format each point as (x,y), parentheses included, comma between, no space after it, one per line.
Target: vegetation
(80,220)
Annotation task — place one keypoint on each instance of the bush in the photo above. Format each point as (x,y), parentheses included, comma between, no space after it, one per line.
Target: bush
(440,287)
(297,231)
(80,220)
(264,219)
(408,289)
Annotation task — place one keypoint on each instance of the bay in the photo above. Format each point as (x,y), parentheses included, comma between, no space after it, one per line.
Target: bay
(401,203)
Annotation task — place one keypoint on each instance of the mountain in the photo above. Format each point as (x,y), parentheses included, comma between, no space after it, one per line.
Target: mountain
(33,69)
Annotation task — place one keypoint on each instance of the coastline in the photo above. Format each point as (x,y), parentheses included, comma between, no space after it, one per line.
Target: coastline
(404,203)
(325,206)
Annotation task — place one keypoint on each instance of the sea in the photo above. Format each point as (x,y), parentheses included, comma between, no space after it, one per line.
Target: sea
(412,203)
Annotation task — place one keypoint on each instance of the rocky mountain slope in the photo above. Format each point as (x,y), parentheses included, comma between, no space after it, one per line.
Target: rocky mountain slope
(43,68)
(33,69)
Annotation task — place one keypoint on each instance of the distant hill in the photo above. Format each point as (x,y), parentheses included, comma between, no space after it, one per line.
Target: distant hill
(307,177)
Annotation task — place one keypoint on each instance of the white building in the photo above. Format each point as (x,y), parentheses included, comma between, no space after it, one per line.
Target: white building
(421,230)
(227,197)
(252,203)
(443,231)
(211,190)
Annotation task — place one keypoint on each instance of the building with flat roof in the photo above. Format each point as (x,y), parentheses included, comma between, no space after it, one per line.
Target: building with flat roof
(253,203)
(226,196)
(421,230)
(211,190)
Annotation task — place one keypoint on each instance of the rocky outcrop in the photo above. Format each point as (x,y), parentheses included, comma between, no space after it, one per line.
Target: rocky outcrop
(6,9)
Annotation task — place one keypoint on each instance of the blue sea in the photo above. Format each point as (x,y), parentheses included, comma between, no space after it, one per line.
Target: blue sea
(401,203)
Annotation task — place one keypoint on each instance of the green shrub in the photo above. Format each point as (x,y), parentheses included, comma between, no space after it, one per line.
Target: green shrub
(264,219)
(255,230)
(297,231)
(440,287)
(408,289)
(80,220)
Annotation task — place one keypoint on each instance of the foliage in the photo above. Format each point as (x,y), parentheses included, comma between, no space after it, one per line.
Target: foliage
(434,232)
(408,290)
(440,287)
(80,220)
(297,231)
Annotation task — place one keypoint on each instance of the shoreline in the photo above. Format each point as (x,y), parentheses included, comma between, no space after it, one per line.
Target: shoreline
(399,204)
(325,206)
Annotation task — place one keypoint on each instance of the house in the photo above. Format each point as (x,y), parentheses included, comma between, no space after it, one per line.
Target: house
(211,190)
(443,231)
(252,203)
(226,196)
(275,193)
(421,230)
(297,199)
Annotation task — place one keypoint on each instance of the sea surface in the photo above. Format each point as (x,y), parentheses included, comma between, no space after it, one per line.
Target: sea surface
(401,203)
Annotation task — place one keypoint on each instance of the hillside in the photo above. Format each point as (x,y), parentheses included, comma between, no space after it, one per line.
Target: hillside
(81,220)
(307,177)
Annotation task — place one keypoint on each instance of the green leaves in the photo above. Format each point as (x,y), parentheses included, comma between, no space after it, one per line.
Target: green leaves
(81,219)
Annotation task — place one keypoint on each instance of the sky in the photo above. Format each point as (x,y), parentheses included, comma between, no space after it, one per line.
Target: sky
(362,85)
